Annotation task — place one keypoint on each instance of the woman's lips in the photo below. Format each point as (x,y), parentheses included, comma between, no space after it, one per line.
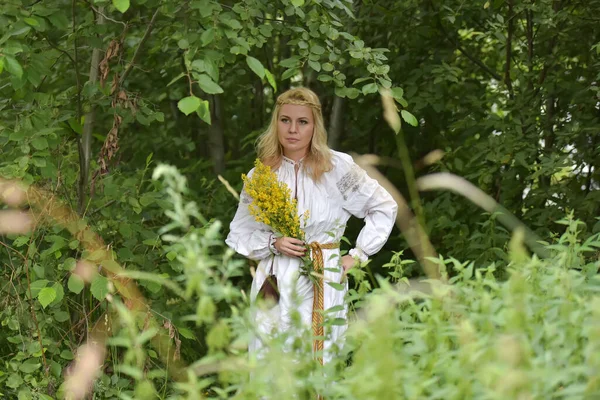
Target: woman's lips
(292,140)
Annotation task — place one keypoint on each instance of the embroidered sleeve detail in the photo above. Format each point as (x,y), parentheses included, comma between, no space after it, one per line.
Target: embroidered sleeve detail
(350,181)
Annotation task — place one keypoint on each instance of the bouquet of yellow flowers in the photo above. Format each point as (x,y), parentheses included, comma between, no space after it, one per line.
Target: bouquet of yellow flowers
(273,205)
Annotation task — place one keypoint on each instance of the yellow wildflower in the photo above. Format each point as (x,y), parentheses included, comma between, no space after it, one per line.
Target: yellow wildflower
(272,203)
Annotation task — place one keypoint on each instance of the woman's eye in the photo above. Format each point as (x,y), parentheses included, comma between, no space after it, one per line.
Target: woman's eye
(284,120)
(304,122)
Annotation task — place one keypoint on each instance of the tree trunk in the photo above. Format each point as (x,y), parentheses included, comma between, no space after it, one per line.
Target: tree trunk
(85,144)
(216,143)
(546,180)
(258,105)
(336,122)
(529,35)
(507,79)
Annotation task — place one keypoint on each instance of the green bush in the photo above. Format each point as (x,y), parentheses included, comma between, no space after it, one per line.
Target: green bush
(532,335)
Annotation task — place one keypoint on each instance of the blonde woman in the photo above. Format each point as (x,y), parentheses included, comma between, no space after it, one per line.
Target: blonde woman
(333,188)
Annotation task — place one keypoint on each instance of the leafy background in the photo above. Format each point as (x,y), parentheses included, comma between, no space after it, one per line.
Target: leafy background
(95,94)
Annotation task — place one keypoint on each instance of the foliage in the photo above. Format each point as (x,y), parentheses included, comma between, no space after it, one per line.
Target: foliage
(272,203)
(95,92)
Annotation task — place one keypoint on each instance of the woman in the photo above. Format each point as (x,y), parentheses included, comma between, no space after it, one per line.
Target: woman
(332,187)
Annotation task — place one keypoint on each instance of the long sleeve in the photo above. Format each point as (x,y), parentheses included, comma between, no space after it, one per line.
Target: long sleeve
(364,198)
(246,236)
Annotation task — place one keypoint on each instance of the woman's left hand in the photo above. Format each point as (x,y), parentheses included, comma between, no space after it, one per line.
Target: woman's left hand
(348,262)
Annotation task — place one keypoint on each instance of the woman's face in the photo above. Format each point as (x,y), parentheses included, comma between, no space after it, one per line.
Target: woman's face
(295,127)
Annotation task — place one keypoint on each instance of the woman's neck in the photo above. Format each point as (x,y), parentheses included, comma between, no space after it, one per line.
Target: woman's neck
(295,155)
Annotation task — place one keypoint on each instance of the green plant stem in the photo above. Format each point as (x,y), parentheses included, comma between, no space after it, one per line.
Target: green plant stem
(409,174)
(35,321)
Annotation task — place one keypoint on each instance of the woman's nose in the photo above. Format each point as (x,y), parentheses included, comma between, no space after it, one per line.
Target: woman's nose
(292,127)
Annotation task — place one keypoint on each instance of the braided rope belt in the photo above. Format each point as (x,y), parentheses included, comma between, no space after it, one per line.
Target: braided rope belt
(317,314)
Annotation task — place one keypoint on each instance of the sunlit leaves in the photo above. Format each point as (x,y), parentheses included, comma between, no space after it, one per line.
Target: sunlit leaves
(12,66)
(46,296)
(121,5)
(409,118)
(203,111)
(188,105)
(99,287)
(271,79)
(256,66)
(208,85)
(75,284)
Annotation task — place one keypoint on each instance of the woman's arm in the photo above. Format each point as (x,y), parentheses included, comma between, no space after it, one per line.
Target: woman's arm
(366,199)
(246,236)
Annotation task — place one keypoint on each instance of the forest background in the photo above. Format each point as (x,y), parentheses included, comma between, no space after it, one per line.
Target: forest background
(97,93)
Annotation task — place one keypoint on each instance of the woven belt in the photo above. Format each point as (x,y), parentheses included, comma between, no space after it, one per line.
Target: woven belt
(317,314)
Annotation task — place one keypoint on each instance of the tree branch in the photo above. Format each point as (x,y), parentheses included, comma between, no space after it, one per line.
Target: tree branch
(467,54)
(529,33)
(85,144)
(97,11)
(75,62)
(137,50)
(509,36)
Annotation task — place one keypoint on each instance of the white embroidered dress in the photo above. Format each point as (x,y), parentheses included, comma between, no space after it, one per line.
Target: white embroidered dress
(344,191)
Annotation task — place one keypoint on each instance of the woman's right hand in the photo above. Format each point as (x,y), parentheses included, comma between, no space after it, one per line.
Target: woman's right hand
(290,247)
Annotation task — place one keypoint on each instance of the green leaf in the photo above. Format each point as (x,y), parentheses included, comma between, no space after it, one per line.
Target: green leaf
(69,264)
(186,333)
(31,21)
(121,5)
(204,111)
(256,66)
(60,293)
(34,347)
(39,143)
(61,316)
(99,287)
(29,366)
(290,62)
(37,286)
(17,136)
(338,322)
(271,79)
(336,286)
(14,381)
(409,118)
(289,73)
(316,49)
(369,88)
(352,93)
(13,66)
(178,77)
(46,296)
(207,36)
(188,105)
(183,44)
(297,3)
(397,93)
(333,309)
(125,230)
(67,354)
(55,368)
(328,67)
(208,85)
(325,78)
(315,65)
(361,80)
(75,284)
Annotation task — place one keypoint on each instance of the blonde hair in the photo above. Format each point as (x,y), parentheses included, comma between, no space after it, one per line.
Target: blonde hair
(270,151)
